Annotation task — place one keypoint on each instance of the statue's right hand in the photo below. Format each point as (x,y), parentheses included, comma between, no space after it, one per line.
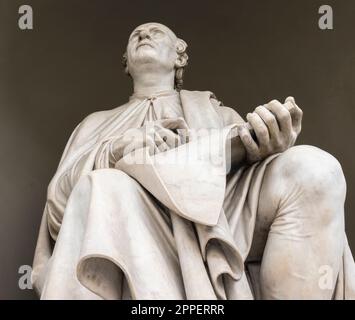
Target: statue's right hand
(158,136)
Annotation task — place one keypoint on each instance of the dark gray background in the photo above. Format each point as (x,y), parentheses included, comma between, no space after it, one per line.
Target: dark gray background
(246,52)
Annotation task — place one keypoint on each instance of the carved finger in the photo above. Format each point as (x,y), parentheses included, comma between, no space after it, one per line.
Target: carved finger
(270,121)
(283,116)
(260,129)
(152,147)
(250,145)
(161,143)
(169,138)
(184,135)
(296,114)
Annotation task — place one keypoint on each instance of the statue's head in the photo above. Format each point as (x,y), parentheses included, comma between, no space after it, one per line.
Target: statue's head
(155,46)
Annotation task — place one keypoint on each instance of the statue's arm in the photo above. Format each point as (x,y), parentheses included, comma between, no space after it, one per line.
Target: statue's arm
(232,117)
(81,154)
(271,128)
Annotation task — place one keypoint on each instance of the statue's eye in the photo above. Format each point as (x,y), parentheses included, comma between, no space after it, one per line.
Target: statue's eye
(157,33)
(134,36)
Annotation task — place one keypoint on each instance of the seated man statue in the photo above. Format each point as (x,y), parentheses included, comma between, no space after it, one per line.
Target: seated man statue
(266,222)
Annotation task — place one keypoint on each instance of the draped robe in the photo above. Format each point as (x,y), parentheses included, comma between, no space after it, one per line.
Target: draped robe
(106,234)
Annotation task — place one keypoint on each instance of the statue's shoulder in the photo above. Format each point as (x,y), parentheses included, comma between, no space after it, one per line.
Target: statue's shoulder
(98,117)
(93,121)
(203,93)
(197,93)
(228,114)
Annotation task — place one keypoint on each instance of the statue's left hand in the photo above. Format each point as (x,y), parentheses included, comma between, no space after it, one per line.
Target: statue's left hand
(170,133)
(276,128)
(158,136)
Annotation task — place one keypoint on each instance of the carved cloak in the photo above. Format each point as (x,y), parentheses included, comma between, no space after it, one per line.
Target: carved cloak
(114,240)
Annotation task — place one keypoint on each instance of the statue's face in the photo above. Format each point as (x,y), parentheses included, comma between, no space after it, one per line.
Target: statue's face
(151,44)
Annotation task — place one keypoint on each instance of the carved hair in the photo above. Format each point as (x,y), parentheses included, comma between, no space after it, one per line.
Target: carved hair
(180,64)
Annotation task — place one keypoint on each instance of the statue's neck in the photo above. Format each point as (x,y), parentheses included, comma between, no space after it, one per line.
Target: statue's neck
(150,84)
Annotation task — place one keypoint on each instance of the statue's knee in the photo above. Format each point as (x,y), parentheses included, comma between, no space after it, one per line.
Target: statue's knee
(311,177)
(317,172)
(317,176)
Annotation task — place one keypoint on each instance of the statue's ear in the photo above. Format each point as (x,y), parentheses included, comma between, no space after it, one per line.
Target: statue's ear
(125,63)
(181,61)
(182,58)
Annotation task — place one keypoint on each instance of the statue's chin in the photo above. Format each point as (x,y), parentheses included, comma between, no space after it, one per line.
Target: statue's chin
(146,51)
(145,57)
(144,60)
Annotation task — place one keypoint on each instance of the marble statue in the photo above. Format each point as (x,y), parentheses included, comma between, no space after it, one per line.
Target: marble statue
(129,215)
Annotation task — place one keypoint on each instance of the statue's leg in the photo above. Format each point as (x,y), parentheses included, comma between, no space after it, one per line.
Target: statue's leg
(116,241)
(301,212)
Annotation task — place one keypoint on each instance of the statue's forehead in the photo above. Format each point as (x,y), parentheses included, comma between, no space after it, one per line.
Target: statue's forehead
(156,25)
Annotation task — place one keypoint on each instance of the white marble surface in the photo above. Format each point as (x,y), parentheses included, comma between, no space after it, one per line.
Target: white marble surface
(165,228)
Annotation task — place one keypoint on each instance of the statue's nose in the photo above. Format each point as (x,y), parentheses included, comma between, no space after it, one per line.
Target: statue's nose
(143,35)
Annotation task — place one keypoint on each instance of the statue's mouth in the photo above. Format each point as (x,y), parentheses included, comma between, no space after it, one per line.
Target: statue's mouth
(144,43)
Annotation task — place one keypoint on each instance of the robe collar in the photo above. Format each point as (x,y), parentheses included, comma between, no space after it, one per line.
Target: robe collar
(163,93)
